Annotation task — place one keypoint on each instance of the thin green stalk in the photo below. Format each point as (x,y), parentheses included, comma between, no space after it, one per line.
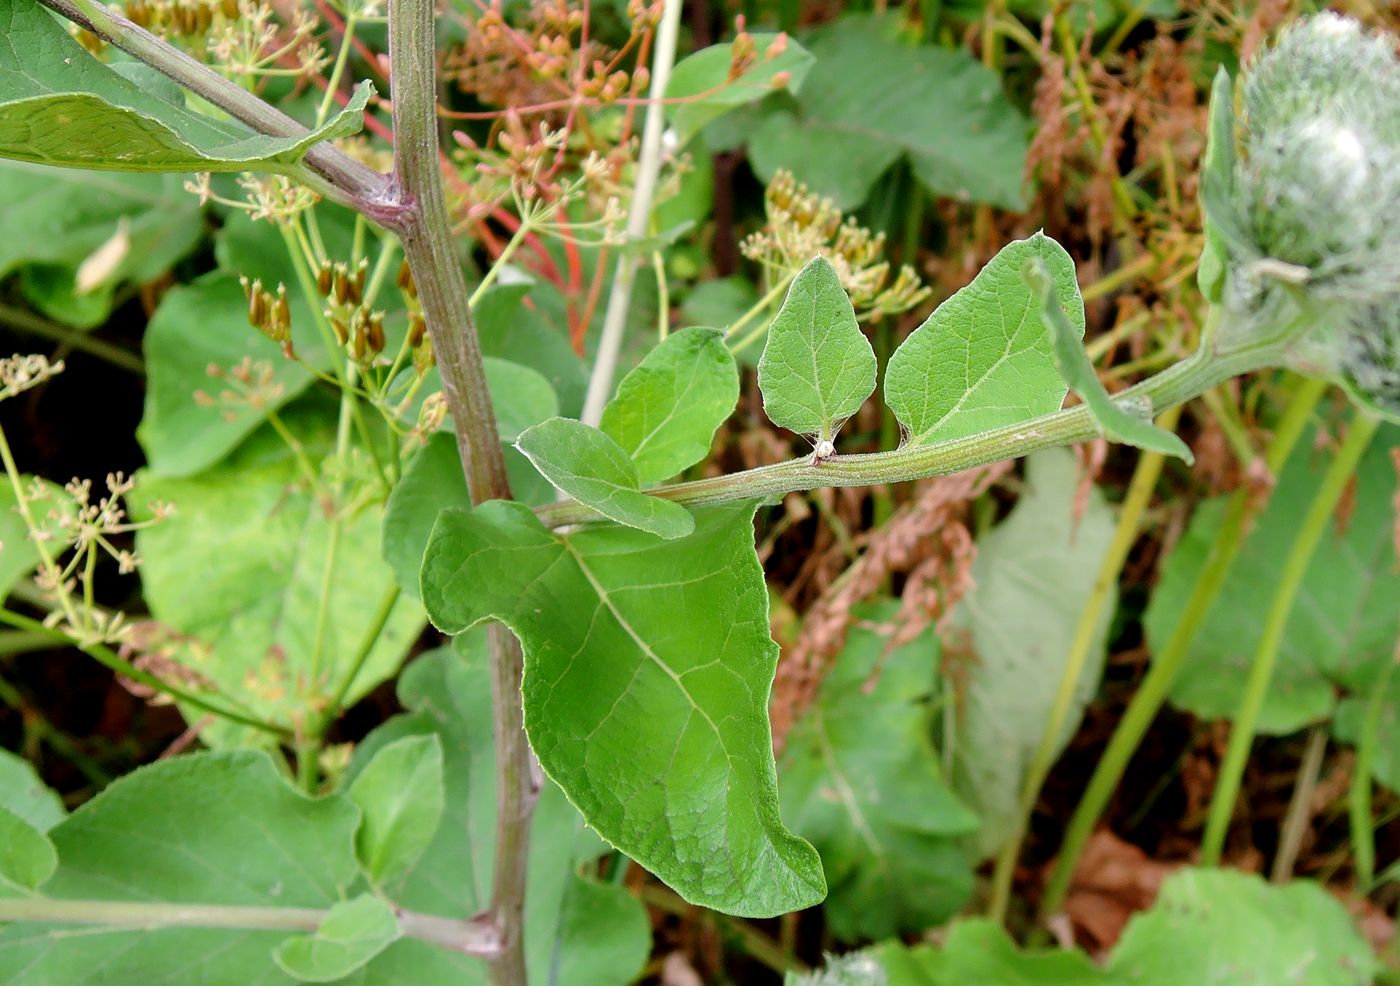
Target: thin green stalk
(1167,664)
(1140,489)
(1319,515)
(1295,820)
(512,245)
(1363,836)
(338,69)
(600,382)
(759,307)
(112,661)
(18,318)
(376,627)
(468,937)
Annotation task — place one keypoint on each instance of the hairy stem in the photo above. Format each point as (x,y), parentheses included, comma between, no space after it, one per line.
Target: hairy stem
(467,937)
(1173,386)
(1261,671)
(638,217)
(425,232)
(1166,664)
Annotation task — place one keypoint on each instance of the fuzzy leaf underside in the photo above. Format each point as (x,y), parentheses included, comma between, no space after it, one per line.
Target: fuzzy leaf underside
(647,670)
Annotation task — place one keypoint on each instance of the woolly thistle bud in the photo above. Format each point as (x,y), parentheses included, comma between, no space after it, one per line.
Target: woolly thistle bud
(1368,357)
(1319,180)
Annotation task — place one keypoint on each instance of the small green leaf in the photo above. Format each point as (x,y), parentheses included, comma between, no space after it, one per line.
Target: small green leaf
(817,367)
(1224,926)
(400,795)
(667,409)
(647,670)
(24,794)
(594,470)
(353,933)
(1126,423)
(509,329)
(852,767)
(977,952)
(983,359)
(1217,186)
(520,396)
(60,106)
(1039,564)
(27,857)
(701,90)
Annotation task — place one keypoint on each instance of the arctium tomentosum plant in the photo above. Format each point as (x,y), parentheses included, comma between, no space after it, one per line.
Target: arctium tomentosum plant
(1305,224)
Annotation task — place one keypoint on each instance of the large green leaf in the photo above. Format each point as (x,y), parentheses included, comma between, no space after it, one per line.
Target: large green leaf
(52,220)
(577,931)
(872,98)
(984,358)
(593,469)
(25,795)
(667,409)
(647,670)
(61,106)
(1225,928)
(1344,624)
(701,89)
(239,570)
(1032,577)
(211,828)
(817,367)
(854,768)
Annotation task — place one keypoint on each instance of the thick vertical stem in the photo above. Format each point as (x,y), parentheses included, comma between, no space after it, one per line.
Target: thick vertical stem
(442,291)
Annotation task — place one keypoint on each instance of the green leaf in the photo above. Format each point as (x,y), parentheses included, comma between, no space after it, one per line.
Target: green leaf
(817,367)
(433,482)
(238,572)
(1126,423)
(647,670)
(27,857)
(701,90)
(1349,725)
(873,99)
(577,931)
(853,767)
(983,359)
(1033,575)
(209,828)
(52,220)
(24,794)
(1344,624)
(400,795)
(521,397)
(1217,188)
(1225,927)
(593,469)
(60,106)
(979,952)
(667,409)
(353,933)
(511,329)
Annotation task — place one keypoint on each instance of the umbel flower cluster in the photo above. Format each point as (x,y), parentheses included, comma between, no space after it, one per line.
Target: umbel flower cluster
(1317,191)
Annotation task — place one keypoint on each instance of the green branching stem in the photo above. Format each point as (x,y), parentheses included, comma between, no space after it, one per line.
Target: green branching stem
(424,229)
(1173,386)
(468,937)
(1319,515)
(327,169)
(1167,664)
(1140,489)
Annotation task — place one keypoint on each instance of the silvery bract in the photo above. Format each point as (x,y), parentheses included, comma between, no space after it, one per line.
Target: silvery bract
(1318,199)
